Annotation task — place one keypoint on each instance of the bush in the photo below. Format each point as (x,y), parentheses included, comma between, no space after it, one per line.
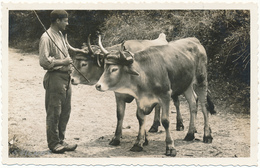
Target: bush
(224,34)
(22,34)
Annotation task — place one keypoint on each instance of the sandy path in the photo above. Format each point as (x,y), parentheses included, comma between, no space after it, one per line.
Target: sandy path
(93,120)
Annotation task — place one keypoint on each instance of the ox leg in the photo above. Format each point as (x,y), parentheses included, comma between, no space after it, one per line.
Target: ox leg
(156,121)
(170,150)
(142,137)
(192,100)
(179,124)
(120,117)
(202,95)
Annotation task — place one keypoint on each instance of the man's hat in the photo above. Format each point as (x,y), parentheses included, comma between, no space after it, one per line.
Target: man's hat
(58,14)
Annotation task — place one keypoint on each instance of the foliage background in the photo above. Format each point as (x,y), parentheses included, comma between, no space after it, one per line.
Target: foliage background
(225,34)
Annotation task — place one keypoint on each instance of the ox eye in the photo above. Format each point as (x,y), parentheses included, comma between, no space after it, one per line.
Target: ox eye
(84,64)
(114,69)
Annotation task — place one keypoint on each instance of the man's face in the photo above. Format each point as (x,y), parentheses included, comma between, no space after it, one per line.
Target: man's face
(62,23)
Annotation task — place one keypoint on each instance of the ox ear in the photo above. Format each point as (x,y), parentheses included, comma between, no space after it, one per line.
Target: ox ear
(123,46)
(131,70)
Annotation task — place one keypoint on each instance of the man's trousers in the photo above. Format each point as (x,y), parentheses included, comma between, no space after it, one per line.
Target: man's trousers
(57,105)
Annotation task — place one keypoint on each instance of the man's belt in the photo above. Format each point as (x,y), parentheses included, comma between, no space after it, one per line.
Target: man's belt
(61,71)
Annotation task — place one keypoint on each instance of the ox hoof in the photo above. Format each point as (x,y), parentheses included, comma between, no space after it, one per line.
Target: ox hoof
(136,148)
(145,142)
(114,142)
(189,137)
(171,152)
(179,126)
(153,129)
(207,139)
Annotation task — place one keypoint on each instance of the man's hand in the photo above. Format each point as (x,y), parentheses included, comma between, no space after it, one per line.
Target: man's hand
(67,61)
(79,50)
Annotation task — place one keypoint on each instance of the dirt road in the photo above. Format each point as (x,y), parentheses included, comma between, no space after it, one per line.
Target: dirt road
(93,121)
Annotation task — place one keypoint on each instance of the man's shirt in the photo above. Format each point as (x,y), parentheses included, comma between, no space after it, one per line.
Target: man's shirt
(48,51)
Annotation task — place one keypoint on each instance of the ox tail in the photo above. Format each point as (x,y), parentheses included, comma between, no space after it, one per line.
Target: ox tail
(210,106)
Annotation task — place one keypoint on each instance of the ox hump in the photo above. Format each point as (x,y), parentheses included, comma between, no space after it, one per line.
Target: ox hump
(162,36)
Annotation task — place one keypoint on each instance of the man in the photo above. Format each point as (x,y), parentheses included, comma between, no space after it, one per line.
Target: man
(56,81)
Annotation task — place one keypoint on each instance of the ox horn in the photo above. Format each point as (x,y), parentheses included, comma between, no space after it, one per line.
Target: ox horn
(98,61)
(89,45)
(101,46)
(72,48)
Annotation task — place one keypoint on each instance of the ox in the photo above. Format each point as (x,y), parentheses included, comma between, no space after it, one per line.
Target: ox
(155,75)
(89,63)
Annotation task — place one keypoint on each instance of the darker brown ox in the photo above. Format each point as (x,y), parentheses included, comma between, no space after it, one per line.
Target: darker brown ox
(153,76)
(89,63)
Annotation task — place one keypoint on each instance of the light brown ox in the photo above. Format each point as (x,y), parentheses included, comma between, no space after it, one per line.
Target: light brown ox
(152,76)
